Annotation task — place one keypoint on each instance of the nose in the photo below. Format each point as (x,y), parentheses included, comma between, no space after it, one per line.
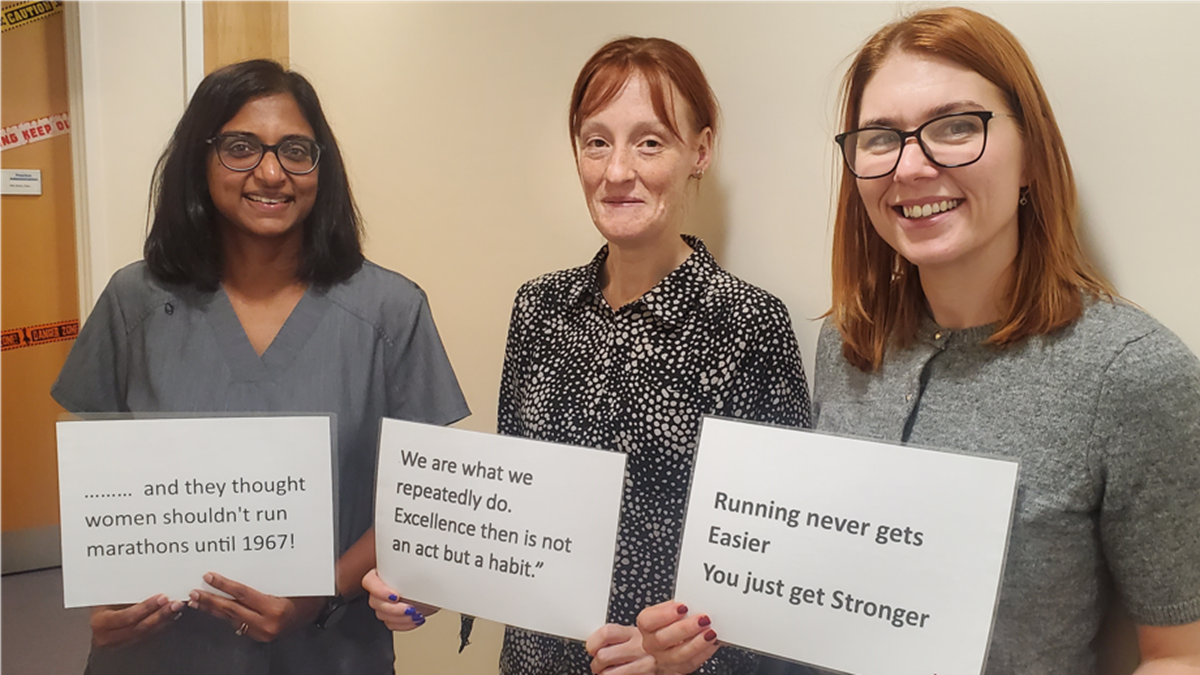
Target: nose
(914,164)
(620,166)
(269,171)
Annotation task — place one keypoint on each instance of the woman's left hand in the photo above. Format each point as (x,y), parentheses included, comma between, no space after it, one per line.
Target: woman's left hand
(395,612)
(264,617)
(617,650)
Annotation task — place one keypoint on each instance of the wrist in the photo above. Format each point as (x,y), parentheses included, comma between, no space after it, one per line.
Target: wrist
(330,610)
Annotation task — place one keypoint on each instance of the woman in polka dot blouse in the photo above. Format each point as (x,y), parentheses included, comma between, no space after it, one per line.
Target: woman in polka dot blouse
(629,351)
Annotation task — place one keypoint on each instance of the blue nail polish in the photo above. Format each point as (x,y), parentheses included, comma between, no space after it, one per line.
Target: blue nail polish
(410,612)
(420,621)
(418,617)
(393,597)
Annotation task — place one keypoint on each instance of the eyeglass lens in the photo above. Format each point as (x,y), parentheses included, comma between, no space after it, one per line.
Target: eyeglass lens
(243,153)
(948,141)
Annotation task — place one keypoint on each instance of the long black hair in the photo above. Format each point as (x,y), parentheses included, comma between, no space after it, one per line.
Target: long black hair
(184,246)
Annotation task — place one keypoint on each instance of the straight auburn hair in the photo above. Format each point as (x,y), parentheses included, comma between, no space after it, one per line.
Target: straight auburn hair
(183,245)
(878,302)
(667,67)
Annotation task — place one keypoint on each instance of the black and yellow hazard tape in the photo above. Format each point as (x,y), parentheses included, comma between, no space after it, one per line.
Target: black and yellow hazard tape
(15,16)
(32,336)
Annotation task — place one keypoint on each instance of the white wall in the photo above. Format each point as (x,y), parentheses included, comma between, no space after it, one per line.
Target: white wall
(127,65)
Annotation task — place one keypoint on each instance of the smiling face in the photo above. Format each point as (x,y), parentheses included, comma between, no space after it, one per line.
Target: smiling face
(267,201)
(937,218)
(634,171)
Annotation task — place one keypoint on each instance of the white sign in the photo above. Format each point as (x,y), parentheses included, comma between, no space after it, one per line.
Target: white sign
(508,529)
(851,555)
(150,505)
(21,181)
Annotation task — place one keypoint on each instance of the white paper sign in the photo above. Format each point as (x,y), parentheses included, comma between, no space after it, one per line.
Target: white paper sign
(508,529)
(21,181)
(150,505)
(851,555)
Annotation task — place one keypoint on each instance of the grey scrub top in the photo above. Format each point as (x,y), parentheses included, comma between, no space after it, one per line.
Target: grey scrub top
(363,349)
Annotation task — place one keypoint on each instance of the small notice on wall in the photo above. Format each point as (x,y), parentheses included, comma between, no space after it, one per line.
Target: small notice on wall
(21,181)
(150,505)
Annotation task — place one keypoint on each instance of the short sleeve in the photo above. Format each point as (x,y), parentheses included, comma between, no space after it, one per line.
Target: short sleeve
(93,379)
(770,385)
(421,386)
(1148,431)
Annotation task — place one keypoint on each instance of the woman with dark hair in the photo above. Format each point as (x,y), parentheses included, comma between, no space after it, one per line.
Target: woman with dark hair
(967,317)
(628,352)
(254,297)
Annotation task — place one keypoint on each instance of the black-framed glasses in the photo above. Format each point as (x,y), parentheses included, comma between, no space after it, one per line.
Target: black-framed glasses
(240,152)
(949,141)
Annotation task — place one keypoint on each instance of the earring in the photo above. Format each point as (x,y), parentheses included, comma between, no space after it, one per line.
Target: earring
(698,174)
(1024,201)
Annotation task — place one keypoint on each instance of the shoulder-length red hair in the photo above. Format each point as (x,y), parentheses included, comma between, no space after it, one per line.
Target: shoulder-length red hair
(878,302)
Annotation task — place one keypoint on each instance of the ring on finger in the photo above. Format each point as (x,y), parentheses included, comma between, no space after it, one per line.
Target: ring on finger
(241,630)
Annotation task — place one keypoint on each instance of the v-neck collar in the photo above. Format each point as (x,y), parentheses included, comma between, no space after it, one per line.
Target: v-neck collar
(245,363)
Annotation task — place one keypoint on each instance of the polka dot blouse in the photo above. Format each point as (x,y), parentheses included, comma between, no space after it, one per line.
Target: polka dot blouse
(638,380)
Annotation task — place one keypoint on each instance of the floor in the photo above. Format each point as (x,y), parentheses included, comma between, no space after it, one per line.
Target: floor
(38,636)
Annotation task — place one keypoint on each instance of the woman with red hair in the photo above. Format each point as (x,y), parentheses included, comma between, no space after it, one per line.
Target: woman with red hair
(966,317)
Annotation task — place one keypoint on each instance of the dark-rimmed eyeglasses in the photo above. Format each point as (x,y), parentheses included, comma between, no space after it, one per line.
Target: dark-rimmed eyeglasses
(949,141)
(240,152)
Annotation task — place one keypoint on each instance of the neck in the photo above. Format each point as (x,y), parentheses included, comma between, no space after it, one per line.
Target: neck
(631,270)
(260,266)
(961,298)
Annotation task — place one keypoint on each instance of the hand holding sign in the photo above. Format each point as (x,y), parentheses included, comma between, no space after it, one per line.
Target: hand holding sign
(391,609)
(679,642)
(259,615)
(117,625)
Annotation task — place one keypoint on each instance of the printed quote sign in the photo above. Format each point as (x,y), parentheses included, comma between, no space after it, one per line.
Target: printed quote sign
(858,556)
(150,505)
(512,530)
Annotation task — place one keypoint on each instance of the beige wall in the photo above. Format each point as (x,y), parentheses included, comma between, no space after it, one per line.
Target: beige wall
(452,117)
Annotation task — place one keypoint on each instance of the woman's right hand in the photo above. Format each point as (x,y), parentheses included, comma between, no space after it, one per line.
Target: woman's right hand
(391,609)
(117,625)
(679,642)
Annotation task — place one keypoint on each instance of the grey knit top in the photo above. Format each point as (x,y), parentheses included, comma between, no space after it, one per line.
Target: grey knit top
(1105,418)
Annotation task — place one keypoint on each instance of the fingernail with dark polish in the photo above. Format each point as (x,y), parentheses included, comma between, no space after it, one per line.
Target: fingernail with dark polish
(418,618)
(682,609)
(393,597)
(710,636)
(411,611)
(704,621)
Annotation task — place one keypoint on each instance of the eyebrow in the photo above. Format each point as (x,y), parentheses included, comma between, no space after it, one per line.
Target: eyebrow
(944,109)
(656,127)
(286,137)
